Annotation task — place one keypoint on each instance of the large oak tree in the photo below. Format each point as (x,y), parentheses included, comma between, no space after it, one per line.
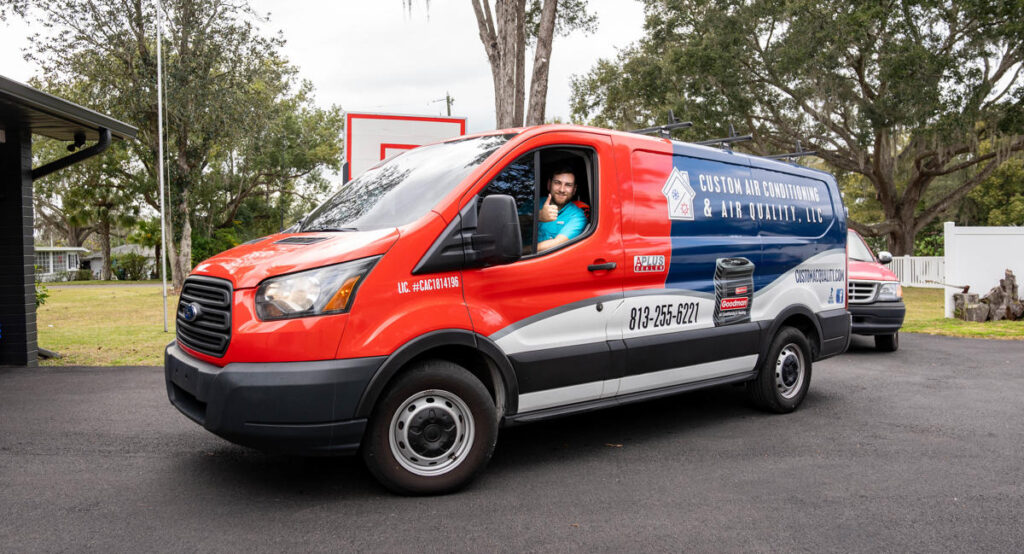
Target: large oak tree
(902,93)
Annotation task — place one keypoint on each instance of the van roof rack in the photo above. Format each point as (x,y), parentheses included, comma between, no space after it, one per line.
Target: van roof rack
(726,141)
(664,131)
(799,153)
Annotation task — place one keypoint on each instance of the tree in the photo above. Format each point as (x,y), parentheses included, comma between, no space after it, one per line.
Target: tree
(225,84)
(903,94)
(83,198)
(999,200)
(505,31)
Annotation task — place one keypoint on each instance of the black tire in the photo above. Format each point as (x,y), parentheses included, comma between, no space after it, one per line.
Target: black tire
(887,343)
(785,373)
(432,432)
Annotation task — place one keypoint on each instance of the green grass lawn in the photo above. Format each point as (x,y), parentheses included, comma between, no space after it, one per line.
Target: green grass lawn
(924,315)
(105,325)
(111,325)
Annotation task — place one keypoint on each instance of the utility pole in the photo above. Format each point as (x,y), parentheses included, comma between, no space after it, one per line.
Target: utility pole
(160,156)
(448,100)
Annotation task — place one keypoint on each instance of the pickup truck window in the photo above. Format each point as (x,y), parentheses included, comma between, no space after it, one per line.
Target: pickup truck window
(857,249)
(402,189)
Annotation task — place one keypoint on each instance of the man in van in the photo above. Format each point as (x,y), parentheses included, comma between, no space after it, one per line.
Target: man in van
(560,219)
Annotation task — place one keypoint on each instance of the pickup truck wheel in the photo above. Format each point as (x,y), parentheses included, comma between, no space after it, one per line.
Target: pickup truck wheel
(785,373)
(433,432)
(887,343)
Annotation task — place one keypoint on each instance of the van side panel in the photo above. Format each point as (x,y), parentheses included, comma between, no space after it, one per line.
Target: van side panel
(428,302)
(804,244)
(549,313)
(673,247)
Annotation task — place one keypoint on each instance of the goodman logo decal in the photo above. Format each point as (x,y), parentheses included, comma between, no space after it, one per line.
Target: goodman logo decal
(737,303)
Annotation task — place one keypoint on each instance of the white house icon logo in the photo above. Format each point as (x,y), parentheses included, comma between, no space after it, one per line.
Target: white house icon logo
(680,195)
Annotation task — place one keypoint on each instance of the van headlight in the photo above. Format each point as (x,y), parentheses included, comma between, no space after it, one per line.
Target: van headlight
(320,291)
(890,292)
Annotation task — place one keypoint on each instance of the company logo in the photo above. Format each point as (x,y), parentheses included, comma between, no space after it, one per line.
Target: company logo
(648,264)
(680,195)
(741,290)
(737,303)
(191,312)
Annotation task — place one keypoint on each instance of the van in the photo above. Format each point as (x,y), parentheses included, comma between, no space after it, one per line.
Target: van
(507,278)
(875,296)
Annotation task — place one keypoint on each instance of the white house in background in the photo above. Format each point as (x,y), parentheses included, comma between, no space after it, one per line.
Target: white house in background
(55,261)
(96,259)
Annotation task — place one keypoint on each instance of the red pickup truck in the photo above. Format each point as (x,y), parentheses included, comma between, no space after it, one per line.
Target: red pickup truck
(874,293)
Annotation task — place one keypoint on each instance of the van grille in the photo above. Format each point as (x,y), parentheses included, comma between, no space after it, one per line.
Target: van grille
(861,292)
(210,331)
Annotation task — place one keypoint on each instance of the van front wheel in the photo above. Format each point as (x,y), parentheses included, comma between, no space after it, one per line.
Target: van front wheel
(433,432)
(785,373)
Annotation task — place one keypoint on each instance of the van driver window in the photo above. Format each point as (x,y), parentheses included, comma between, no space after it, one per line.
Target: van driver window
(554,206)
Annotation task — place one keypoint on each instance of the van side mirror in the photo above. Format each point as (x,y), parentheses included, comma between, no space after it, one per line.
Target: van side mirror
(884,257)
(497,239)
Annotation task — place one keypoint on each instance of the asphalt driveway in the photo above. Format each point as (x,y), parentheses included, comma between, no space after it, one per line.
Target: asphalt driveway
(918,450)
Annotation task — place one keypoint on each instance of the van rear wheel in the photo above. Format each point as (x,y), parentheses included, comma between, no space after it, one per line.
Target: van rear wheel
(433,431)
(785,373)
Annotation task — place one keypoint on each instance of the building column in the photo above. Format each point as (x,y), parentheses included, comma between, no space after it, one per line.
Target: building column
(18,344)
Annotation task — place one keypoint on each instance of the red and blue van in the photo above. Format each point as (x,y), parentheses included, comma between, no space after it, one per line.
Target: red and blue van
(411,315)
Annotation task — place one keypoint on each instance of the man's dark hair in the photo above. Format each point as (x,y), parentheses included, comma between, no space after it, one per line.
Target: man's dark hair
(562,169)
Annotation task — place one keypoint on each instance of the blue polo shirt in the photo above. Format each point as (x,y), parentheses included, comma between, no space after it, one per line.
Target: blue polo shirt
(570,223)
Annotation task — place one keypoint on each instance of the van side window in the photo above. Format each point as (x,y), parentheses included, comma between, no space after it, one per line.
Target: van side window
(554,202)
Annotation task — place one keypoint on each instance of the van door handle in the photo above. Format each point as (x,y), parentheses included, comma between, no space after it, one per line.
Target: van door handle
(601,267)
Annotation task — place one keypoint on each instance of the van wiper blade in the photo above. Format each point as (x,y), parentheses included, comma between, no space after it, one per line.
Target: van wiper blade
(331,230)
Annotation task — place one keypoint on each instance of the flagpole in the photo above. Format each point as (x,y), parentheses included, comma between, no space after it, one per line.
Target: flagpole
(160,156)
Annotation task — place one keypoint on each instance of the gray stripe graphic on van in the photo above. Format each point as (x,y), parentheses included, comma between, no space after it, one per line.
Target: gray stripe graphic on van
(553,312)
(498,335)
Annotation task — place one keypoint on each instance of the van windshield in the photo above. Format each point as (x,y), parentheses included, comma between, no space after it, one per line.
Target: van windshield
(857,249)
(402,189)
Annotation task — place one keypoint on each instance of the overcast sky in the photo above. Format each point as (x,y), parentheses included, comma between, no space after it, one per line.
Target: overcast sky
(376,57)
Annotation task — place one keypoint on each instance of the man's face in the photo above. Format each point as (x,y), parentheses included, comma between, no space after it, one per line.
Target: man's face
(562,186)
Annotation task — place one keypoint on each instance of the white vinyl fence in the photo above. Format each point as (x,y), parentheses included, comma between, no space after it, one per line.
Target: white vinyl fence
(980,256)
(919,271)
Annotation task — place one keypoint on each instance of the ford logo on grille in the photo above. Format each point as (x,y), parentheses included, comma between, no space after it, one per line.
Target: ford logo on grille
(191,312)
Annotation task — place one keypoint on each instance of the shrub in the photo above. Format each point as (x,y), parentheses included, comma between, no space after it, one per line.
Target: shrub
(130,266)
(41,293)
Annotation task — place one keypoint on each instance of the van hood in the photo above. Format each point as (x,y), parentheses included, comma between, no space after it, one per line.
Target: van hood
(869,271)
(248,264)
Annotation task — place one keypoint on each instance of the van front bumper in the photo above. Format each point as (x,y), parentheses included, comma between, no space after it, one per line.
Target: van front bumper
(298,407)
(877,318)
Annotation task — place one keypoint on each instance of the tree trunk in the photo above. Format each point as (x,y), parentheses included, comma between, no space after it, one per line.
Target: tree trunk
(181,264)
(541,64)
(104,228)
(519,96)
(179,252)
(506,24)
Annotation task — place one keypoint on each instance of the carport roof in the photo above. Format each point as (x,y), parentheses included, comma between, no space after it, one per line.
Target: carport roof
(54,117)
